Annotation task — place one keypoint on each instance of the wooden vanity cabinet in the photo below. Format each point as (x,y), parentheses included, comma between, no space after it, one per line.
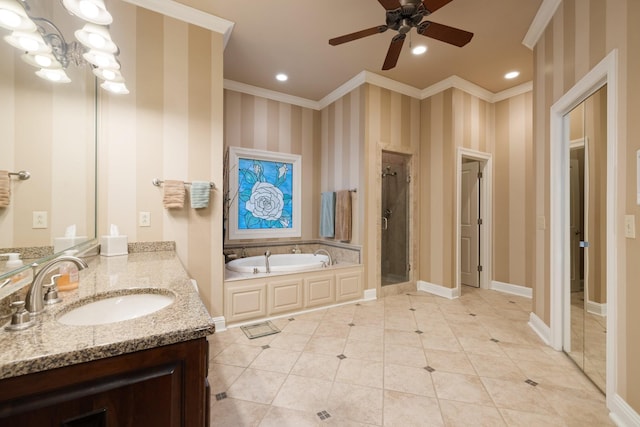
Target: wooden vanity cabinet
(163,386)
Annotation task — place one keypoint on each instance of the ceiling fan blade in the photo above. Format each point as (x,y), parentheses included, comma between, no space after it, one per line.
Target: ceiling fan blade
(394,52)
(444,33)
(433,5)
(358,35)
(391,4)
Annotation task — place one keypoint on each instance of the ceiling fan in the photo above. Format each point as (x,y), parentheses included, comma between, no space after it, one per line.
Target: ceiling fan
(402,16)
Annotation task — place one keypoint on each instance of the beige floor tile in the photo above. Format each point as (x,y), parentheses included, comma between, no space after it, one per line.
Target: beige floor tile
(238,355)
(221,340)
(436,342)
(318,366)
(461,388)
(517,395)
(367,350)
(237,413)
(481,345)
(331,346)
(276,360)
(287,341)
(496,367)
(403,409)
(284,417)
(366,333)
(316,315)
(304,394)
(356,403)
(403,355)
(523,352)
(449,361)
(400,322)
(360,372)
(301,326)
(222,376)
(257,386)
(256,342)
(332,329)
(457,414)
(515,418)
(408,379)
(394,337)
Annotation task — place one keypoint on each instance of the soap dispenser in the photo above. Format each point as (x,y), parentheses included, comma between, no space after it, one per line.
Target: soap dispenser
(69,274)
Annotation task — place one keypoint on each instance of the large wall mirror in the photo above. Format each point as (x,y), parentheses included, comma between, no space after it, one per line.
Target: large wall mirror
(49,130)
(587,304)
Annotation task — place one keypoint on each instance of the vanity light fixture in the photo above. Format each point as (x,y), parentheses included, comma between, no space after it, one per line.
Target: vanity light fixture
(512,75)
(46,48)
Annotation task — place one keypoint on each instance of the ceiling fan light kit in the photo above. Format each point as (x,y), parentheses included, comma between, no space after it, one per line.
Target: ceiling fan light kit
(402,16)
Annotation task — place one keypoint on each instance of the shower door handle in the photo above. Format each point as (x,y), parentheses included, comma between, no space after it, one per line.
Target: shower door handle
(385,223)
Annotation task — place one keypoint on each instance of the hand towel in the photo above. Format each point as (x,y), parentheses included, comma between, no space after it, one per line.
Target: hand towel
(200,194)
(173,194)
(5,189)
(327,213)
(343,215)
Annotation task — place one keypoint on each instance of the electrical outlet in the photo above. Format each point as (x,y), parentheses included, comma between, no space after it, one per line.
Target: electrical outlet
(40,219)
(630,226)
(144,219)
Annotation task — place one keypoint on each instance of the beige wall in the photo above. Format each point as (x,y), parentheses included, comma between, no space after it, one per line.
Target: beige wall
(580,35)
(170,127)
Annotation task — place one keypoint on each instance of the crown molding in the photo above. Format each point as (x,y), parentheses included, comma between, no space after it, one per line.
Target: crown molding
(511,92)
(188,14)
(270,94)
(458,83)
(540,21)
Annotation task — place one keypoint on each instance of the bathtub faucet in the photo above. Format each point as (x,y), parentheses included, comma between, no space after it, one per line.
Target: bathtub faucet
(266,261)
(326,252)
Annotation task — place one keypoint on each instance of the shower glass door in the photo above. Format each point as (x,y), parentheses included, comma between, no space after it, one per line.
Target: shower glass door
(395,264)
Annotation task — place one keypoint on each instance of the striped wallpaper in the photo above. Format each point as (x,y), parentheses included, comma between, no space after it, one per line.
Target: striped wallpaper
(581,34)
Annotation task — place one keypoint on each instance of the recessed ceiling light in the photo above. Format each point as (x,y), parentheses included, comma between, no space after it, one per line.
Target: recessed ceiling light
(282,77)
(419,50)
(512,74)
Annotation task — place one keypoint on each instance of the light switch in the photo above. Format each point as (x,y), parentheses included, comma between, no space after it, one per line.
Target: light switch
(630,226)
(40,219)
(144,219)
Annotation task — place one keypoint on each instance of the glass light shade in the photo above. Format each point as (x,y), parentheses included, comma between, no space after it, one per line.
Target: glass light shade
(114,87)
(101,59)
(41,60)
(108,74)
(31,42)
(96,37)
(93,11)
(53,75)
(14,17)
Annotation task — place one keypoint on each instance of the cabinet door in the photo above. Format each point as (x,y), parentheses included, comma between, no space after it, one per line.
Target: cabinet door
(245,302)
(319,290)
(348,286)
(285,295)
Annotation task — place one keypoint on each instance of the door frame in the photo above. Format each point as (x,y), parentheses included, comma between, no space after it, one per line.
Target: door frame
(486,202)
(603,73)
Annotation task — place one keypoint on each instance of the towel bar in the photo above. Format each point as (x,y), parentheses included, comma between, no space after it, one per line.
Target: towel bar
(158,182)
(22,175)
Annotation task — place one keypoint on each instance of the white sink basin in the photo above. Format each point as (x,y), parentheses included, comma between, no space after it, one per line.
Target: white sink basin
(110,309)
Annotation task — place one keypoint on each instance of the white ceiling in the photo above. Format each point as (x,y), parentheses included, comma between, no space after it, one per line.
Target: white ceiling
(291,36)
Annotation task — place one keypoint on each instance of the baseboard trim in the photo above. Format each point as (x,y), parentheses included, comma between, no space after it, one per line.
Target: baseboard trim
(540,328)
(438,290)
(508,288)
(370,295)
(597,308)
(621,413)
(220,323)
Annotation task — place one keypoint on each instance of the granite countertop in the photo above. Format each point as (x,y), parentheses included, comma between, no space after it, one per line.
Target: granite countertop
(50,344)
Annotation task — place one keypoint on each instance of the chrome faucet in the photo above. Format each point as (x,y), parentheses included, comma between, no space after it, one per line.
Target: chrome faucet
(35,299)
(266,261)
(326,252)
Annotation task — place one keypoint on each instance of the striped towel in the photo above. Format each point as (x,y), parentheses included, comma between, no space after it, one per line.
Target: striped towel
(5,189)
(173,194)
(200,194)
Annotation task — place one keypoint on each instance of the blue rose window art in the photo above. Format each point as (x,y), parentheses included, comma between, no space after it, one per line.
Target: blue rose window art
(265,191)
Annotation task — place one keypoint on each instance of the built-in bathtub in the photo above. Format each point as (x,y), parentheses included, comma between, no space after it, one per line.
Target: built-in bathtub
(278,263)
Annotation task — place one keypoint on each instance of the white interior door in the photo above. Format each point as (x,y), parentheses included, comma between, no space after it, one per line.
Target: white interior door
(469,227)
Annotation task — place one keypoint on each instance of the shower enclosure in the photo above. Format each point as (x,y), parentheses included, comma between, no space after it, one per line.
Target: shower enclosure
(395,265)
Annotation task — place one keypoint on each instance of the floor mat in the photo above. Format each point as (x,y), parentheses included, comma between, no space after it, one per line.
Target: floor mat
(258,330)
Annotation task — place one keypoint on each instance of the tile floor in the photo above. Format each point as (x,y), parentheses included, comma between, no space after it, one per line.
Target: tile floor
(404,360)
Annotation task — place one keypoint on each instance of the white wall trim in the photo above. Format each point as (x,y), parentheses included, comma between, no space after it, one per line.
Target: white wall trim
(605,72)
(540,21)
(188,14)
(441,291)
(220,323)
(622,413)
(541,328)
(370,294)
(269,94)
(458,83)
(514,91)
(599,309)
(508,288)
